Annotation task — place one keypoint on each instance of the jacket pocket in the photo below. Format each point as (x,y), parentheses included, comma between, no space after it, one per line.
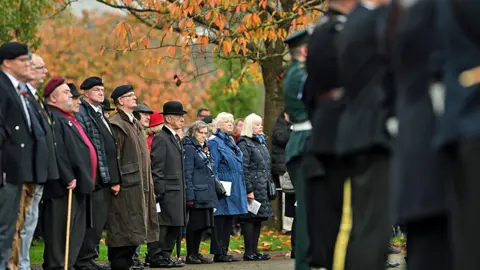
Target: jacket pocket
(130,174)
(203,193)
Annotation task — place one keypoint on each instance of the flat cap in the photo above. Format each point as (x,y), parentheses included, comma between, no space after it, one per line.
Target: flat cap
(52,84)
(297,39)
(74,90)
(143,108)
(120,91)
(12,50)
(91,82)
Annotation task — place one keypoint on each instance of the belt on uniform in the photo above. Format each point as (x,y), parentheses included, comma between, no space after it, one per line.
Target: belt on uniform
(302,126)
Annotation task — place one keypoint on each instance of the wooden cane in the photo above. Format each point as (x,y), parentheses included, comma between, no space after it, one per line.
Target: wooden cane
(67,241)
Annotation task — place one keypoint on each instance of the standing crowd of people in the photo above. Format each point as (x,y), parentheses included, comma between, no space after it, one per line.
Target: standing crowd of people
(382,93)
(134,175)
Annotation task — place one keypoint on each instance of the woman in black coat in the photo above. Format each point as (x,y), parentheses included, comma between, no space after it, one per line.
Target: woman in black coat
(256,170)
(200,189)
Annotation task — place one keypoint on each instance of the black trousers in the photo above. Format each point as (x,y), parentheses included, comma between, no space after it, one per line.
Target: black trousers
(429,244)
(55,225)
(221,235)
(466,204)
(371,228)
(9,203)
(194,239)
(324,196)
(293,238)
(121,258)
(251,233)
(100,202)
(164,246)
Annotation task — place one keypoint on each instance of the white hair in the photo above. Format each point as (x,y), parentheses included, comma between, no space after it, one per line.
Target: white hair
(247,129)
(221,118)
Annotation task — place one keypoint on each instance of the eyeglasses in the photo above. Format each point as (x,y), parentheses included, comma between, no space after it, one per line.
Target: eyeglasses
(39,67)
(129,95)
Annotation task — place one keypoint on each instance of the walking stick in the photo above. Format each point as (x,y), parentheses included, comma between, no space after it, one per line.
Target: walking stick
(67,241)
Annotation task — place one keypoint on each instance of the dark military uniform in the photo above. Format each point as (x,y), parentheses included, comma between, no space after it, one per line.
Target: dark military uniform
(458,132)
(420,174)
(325,173)
(363,138)
(293,83)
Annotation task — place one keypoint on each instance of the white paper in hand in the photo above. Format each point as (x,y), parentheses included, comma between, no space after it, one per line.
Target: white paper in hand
(227,186)
(253,207)
(158,208)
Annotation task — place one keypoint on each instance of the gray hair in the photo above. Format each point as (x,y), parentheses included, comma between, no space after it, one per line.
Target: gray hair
(221,118)
(196,126)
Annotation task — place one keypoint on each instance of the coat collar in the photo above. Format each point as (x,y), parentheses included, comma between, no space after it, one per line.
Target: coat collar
(172,137)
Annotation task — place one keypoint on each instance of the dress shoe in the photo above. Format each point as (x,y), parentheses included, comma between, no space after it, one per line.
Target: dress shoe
(233,259)
(391,264)
(263,256)
(394,250)
(160,263)
(192,259)
(99,266)
(204,260)
(222,258)
(251,257)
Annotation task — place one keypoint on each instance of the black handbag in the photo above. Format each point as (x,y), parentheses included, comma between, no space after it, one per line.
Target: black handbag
(220,190)
(272,190)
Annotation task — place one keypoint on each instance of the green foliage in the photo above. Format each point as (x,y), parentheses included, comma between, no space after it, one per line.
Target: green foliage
(21,19)
(234,92)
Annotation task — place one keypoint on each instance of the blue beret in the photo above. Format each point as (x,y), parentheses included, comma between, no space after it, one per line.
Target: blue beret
(120,91)
(12,50)
(91,82)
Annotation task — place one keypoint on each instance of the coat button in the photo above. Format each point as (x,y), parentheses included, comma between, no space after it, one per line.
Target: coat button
(17,127)
(22,145)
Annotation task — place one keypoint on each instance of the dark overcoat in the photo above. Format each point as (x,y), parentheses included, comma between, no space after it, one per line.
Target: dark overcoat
(167,172)
(362,125)
(73,158)
(199,177)
(132,219)
(280,136)
(256,171)
(420,174)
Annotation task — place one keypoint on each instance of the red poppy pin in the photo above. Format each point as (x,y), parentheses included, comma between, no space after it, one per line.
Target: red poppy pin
(205,149)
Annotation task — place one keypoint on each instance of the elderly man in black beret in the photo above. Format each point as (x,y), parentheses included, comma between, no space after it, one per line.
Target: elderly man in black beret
(32,193)
(167,171)
(132,217)
(99,131)
(77,164)
(22,140)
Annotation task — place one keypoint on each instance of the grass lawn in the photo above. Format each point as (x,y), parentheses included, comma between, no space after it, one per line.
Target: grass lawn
(269,241)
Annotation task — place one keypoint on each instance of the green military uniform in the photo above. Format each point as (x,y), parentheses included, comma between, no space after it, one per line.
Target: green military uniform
(292,83)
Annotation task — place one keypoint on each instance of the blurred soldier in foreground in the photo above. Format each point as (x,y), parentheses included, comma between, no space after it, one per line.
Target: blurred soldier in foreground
(292,86)
(325,173)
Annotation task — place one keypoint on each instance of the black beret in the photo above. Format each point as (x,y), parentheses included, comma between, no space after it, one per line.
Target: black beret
(91,82)
(120,91)
(73,90)
(12,50)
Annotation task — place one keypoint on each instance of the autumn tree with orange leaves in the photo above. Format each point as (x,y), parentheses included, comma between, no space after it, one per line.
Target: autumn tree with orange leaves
(70,48)
(250,30)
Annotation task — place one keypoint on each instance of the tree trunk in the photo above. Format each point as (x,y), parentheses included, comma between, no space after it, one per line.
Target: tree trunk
(271,70)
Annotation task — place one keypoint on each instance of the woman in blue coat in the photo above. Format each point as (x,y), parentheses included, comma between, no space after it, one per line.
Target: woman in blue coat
(200,188)
(228,167)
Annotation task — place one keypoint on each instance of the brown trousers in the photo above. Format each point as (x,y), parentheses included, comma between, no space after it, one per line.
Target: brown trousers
(28,191)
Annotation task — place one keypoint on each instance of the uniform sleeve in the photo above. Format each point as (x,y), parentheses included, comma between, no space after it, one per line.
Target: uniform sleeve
(246,166)
(158,157)
(188,169)
(64,164)
(293,105)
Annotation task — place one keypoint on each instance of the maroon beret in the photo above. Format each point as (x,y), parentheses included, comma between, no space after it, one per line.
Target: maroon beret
(53,83)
